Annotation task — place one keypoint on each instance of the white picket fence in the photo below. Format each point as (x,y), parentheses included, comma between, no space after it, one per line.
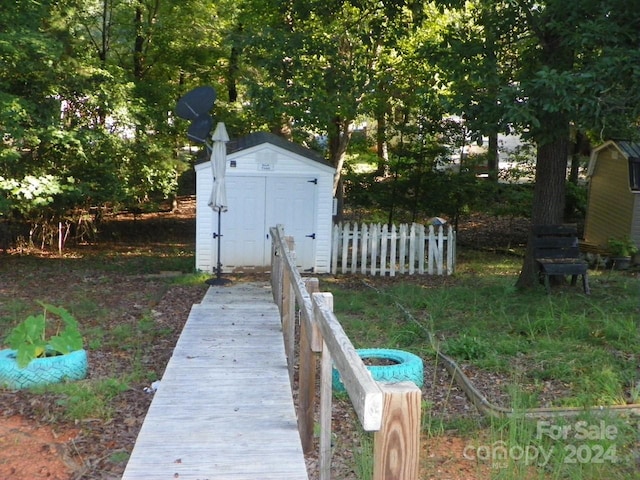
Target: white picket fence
(376,249)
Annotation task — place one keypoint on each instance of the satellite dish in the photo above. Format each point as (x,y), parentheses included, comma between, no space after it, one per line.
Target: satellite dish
(200,128)
(196,102)
(195,106)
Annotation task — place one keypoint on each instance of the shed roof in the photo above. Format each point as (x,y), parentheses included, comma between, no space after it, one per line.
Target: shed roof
(626,148)
(630,149)
(258,138)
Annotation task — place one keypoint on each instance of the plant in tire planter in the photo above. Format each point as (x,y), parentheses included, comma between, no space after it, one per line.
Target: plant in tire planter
(388,365)
(622,250)
(44,349)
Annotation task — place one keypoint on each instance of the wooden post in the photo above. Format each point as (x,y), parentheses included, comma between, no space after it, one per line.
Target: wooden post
(364,244)
(451,245)
(403,247)
(440,258)
(421,247)
(326,374)
(326,392)
(307,378)
(396,448)
(288,313)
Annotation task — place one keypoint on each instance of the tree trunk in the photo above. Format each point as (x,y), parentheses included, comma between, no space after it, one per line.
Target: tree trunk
(138,43)
(548,198)
(381,142)
(106,23)
(493,164)
(232,74)
(339,138)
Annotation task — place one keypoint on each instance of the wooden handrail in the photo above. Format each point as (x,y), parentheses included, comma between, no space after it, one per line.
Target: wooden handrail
(364,392)
(390,410)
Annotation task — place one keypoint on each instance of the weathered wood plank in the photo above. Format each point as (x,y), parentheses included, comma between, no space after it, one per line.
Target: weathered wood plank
(363,391)
(397,444)
(223,409)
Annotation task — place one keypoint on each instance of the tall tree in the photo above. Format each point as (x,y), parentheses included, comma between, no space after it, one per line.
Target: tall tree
(323,64)
(579,71)
(87,90)
(572,63)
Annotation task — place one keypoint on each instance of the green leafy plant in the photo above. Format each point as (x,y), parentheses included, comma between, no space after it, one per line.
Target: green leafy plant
(622,247)
(30,338)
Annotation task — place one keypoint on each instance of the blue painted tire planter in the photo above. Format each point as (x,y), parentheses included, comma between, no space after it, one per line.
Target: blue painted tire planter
(42,371)
(406,367)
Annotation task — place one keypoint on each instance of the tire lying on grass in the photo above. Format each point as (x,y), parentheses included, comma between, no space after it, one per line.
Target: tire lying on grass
(403,366)
(41,371)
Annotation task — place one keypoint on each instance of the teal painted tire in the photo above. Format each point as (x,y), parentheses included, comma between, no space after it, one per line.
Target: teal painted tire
(42,371)
(406,367)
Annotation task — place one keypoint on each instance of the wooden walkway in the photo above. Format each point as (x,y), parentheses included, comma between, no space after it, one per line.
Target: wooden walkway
(224,408)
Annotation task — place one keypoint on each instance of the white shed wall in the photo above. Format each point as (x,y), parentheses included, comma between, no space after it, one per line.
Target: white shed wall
(284,168)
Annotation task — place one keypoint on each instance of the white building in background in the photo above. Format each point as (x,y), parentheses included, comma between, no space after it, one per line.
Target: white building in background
(269,181)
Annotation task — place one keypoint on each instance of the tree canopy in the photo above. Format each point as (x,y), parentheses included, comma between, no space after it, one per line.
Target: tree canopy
(88,88)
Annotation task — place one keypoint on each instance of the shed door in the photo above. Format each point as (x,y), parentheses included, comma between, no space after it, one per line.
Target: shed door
(255,205)
(242,226)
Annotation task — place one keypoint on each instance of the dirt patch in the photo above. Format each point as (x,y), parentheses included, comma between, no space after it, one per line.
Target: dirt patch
(31,451)
(450,457)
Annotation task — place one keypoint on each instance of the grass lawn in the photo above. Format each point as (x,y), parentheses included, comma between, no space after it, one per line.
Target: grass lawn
(533,350)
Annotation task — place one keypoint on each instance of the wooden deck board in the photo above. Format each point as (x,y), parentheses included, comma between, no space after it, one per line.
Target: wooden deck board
(224,408)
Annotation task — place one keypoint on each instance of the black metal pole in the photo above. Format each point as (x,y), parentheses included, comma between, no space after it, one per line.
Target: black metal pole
(219,272)
(218,280)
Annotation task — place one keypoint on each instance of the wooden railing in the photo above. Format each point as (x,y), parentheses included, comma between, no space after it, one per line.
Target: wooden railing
(374,249)
(392,411)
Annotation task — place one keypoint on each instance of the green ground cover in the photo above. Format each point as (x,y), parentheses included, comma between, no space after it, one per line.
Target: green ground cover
(560,350)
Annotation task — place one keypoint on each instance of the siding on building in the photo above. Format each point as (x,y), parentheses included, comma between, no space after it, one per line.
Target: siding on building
(286,168)
(613,210)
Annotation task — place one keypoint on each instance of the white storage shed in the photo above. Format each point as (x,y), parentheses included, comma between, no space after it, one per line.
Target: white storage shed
(269,181)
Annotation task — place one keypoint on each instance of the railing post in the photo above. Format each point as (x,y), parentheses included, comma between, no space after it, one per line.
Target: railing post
(307,377)
(288,313)
(326,391)
(396,447)
(324,457)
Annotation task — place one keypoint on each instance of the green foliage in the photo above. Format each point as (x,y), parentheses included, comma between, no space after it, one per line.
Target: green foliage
(363,456)
(480,319)
(414,191)
(31,196)
(577,198)
(505,199)
(102,136)
(105,135)
(622,247)
(30,339)
(468,347)
(91,399)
